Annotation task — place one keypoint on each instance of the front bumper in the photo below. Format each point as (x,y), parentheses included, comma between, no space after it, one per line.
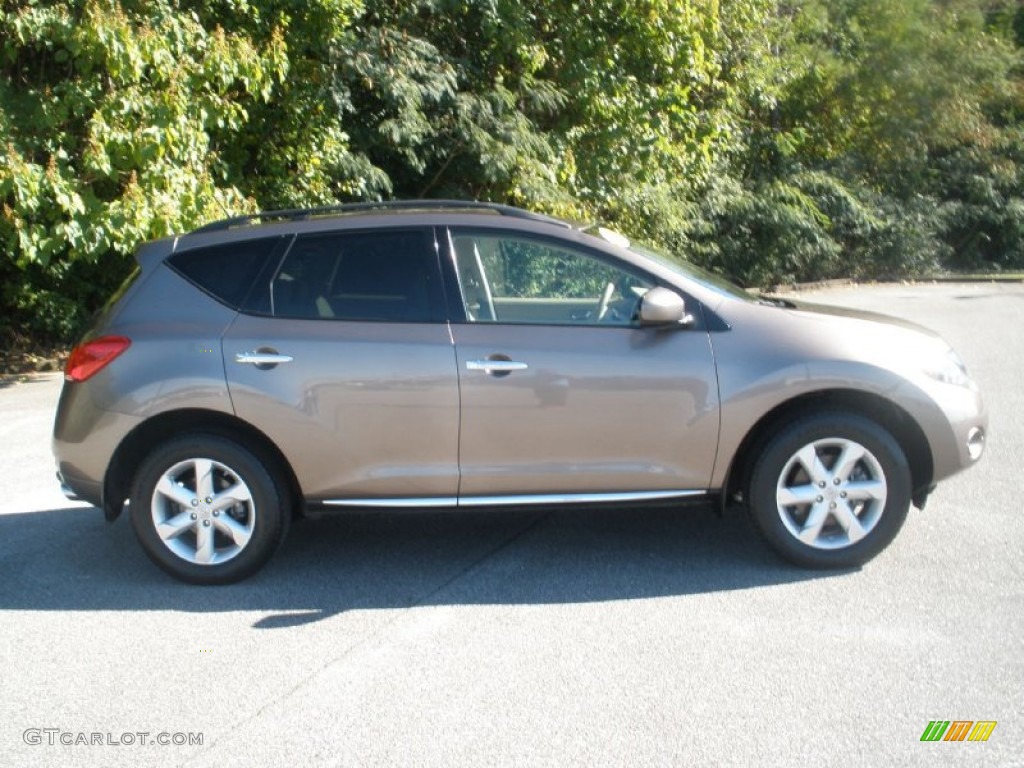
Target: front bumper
(958,428)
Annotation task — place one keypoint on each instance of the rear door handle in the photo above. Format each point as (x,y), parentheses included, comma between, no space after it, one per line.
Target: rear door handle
(495,366)
(261,358)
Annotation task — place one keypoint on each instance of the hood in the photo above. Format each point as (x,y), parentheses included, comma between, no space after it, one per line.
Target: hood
(857,314)
(839,334)
(799,330)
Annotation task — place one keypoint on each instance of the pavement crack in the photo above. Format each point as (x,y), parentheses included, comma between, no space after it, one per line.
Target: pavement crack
(480,560)
(400,614)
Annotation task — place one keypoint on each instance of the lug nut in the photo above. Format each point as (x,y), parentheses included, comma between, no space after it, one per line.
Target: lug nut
(820,499)
(832,505)
(216,512)
(206,523)
(195,502)
(821,484)
(209,499)
(194,515)
(836,480)
(842,495)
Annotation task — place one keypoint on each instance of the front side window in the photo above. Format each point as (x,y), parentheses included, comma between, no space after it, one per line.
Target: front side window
(375,276)
(515,279)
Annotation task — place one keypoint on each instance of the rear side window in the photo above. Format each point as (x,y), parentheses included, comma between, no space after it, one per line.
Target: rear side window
(226,272)
(387,276)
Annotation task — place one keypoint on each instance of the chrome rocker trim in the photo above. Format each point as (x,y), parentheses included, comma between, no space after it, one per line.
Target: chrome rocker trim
(500,501)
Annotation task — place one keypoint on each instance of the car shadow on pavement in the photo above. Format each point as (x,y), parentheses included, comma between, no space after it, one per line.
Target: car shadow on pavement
(70,559)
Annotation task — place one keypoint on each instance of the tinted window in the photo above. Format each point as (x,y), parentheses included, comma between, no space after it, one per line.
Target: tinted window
(226,272)
(384,276)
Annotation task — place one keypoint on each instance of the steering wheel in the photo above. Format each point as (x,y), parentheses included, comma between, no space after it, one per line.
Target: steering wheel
(606,299)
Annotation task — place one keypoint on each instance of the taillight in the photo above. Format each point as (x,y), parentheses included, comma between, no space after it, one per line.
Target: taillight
(90,357)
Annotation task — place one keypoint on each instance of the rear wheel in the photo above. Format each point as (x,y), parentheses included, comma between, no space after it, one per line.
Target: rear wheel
(208,511)
(831,490)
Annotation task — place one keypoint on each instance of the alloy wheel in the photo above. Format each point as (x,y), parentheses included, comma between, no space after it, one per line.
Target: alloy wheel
(831,493)
(203,511)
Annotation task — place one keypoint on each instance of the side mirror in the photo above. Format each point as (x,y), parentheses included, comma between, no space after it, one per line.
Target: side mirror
(660,306)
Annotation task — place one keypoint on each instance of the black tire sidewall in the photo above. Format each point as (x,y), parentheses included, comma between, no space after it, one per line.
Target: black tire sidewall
(781,448)
(269,526)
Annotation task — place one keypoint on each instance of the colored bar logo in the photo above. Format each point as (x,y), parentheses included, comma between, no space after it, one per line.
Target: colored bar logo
(958,730)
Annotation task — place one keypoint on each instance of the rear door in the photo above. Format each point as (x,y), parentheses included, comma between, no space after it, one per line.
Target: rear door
(562,393)
(343,357)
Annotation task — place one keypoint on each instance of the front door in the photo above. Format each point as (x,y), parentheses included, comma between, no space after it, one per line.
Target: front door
(563,394)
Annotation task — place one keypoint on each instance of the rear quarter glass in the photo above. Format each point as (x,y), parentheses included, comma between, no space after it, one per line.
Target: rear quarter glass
(225,272)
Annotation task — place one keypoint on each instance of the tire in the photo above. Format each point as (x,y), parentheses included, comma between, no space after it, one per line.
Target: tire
(208,511)
(831,490)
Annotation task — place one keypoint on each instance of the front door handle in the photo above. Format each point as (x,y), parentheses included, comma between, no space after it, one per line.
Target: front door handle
(262,358)
(495,366)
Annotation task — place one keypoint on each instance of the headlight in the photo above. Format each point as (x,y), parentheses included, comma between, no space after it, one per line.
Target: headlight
(949,369)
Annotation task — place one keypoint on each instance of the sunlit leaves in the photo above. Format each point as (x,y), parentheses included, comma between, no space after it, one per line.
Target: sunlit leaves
(770,140)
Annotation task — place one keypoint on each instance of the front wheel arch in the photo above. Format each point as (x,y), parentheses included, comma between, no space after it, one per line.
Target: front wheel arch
(891,417)
(830,490)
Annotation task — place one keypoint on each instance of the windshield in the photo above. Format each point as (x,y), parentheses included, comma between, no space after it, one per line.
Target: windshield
(715,282)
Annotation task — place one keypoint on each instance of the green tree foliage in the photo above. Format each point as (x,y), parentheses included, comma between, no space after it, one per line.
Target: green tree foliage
(771,140)
(448,100)
(904,118)
(112,116)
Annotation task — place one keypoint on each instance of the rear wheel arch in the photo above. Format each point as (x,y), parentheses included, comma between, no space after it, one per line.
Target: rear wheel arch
(886,414)
(208,509)
(159,429)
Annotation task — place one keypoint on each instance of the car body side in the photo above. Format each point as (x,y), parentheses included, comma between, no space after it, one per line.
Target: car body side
(770,364)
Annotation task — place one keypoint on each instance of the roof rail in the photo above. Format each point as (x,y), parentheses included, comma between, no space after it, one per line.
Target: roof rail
(298,214)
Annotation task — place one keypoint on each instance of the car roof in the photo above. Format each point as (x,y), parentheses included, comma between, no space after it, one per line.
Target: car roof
(390,214)
(385,207)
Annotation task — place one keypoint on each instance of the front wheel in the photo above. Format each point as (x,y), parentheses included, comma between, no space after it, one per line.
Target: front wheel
(831,490)
(206,510)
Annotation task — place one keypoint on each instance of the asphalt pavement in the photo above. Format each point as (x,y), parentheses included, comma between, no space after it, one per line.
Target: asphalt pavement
(535,639)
